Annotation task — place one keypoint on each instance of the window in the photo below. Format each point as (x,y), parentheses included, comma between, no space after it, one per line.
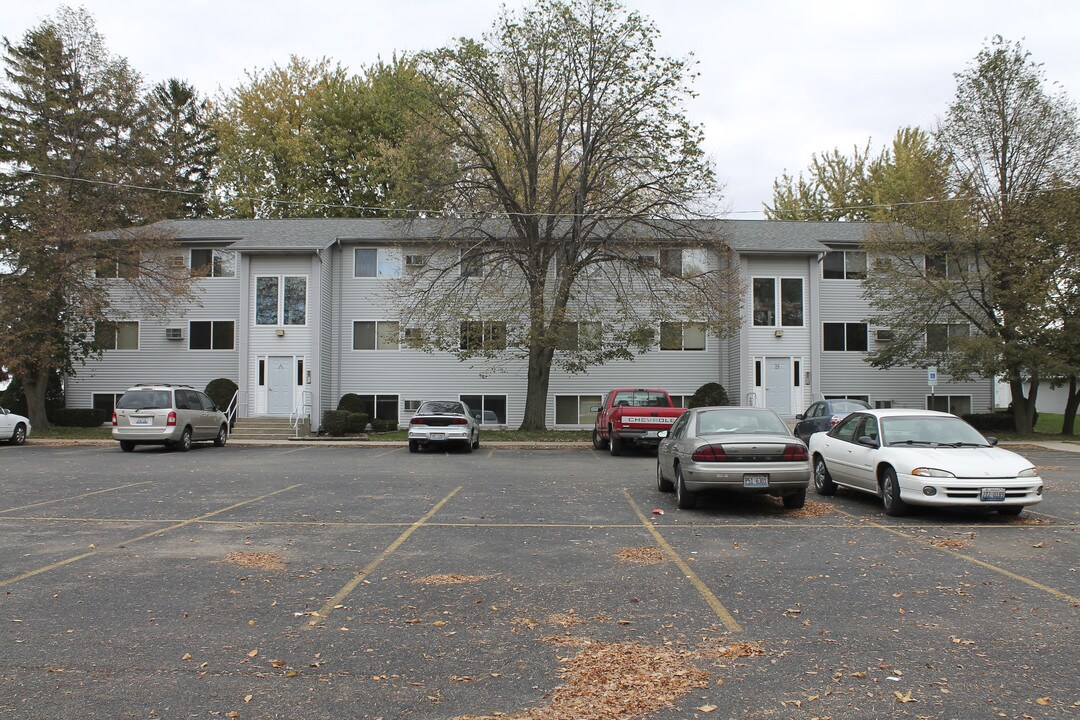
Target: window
(847,427)
(797,365)
(941,266)
(106,401)
(844,265)
(679,400)
(377,262)
(572,336)
(376,335)
(682,336)
(790,301)
(864,398)
(851,337)
(486,335)
(300,371)
(681,262)
(488,409)
(381,407)
(942,337)
(472,263)
(411,406)
(757,374)
(116,335)
(211,335)
(262,373)
(112,268)
(213,263)
(282,297)
(958,405)
(575,409)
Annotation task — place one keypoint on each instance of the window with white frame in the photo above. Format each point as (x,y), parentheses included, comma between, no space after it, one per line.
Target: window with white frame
(488,409)
(380,407)
(682,336)
(941,265)
(117,267)
(472,263)
(377,262)
(113,335)
(943,337)
(376,335)
(483,335)
(213,263)
(844,265)
(573,336)
(684,262)
(211,335)
(105,401)
(849,337)
(680,401)
(958,405)
(411,406)
(281,300)
(576,409)
(769,294)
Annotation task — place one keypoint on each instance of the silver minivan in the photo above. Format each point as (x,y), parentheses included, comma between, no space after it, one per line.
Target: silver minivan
(169,415)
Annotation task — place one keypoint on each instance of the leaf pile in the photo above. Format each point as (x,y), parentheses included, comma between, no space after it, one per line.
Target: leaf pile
(642,555)
(451,579)
(812,509)
(257,560)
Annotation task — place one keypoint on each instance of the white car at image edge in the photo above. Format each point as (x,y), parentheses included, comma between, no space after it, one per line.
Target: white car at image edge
(922,457)
(14,429)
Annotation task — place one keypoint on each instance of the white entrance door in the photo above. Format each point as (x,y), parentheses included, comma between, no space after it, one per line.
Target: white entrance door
(778,385)
(279,385)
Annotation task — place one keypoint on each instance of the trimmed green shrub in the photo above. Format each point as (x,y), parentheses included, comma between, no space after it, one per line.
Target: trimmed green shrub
(357,422)
(335,422)
(221,391)
(351,403)
(709,394)
(383,425)
(79,417)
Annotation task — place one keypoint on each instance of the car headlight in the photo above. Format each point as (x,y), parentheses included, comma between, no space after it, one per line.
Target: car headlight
(931,472)
(1029,472)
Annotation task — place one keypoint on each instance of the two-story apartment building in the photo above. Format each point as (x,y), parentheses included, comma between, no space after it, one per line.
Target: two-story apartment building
(296,312)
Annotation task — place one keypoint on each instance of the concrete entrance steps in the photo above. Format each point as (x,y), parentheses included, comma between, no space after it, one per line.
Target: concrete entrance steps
(264,428)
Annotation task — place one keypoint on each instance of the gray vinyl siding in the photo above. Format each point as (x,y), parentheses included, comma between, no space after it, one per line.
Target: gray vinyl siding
(323,371)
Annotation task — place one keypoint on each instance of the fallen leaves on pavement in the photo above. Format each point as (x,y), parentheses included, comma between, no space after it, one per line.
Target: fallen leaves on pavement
(643,555)
(257,560)
(451,579)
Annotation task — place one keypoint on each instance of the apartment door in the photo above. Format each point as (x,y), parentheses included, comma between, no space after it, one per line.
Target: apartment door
(279,385)
(778,385)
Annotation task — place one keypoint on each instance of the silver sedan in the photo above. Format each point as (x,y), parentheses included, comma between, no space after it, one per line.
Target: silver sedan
(732,448)
(438,422)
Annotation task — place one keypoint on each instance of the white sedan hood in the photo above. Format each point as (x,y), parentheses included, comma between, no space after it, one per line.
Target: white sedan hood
(989,462)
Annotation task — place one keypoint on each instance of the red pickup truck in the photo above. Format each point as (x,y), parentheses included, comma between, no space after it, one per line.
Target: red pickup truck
(633,416)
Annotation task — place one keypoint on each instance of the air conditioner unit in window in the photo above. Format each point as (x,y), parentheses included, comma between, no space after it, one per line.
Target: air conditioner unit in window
(415,260)
(883,335)
(174,333)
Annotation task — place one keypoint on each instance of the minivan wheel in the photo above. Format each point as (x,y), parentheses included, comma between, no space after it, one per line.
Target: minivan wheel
(890,494)
(127,446)
(184,444)
(222,436)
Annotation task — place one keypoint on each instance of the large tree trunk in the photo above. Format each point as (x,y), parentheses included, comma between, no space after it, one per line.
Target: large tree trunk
(34,388)
(537,389)
(1072,404)
(1024,405)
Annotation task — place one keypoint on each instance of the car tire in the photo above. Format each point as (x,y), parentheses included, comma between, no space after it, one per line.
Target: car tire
(414,446)
(795,500)
(1010,510)
(222,436)
(19,436)
(468,446)
(476,442)
(598,441)
(184,443)
(823,482)
(662,485)
(127,446)
(684,499)
(615,446)
(890,494)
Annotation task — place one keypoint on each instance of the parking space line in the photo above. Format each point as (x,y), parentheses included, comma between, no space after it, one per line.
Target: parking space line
(75,497)
(333,602)
(981,563)
(729,621)
(145,536)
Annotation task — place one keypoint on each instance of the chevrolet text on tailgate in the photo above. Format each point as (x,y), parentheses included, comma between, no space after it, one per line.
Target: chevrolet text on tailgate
(633,416)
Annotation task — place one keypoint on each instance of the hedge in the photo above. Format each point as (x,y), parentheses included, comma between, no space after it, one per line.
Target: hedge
(351,402)
(708,395)
(335,422)
(383,425)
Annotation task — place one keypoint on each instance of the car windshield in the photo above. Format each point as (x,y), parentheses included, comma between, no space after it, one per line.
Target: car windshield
(448,407)
(712,422)
(145,400)
(640,398)
(930,430)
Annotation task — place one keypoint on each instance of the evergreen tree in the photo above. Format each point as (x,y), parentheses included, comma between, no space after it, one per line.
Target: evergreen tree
(185,147)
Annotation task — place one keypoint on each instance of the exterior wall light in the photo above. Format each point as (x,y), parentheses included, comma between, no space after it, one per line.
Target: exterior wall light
(280,332)
(779,333)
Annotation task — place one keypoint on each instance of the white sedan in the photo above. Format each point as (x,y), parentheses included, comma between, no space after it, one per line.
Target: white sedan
(13,428)
(922,457)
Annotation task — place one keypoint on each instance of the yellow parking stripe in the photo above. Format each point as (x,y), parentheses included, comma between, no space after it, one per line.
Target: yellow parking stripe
(145,536)
(75,497)
(328,608)
(729,621)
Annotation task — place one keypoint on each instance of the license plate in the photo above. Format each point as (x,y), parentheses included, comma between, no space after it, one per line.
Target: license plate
(755,481)
(992,494)
(438,436)
(650,433)
(142,421)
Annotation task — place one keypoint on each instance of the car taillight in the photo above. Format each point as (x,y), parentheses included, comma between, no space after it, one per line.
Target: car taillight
(835,419)
(171,422)
(710,453)
(114,418)
(795,452)
(458,421)
(417,421)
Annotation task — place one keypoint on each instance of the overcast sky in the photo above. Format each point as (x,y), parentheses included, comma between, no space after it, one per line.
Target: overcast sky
(778,80)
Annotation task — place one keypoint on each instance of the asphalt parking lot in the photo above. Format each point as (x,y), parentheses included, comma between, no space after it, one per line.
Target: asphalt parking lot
(319,582)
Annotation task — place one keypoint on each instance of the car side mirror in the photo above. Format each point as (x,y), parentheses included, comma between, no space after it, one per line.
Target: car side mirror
(662,434)
(868,441)
(993,441)
(594,408)
(799,416)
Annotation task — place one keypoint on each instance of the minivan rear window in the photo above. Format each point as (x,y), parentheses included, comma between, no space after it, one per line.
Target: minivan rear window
(145,400)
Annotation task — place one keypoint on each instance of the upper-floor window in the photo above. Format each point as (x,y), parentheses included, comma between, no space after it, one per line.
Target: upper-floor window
(211,262)
(844,265)
(583,335)
(211,335)
(281,300)
(682,336)
(483,335)
(941,266)
(942,337)
(376,335)
(851,337)
(683,262)
(116,335)
(472,262)
(377,262)
(783,293)
(122,267)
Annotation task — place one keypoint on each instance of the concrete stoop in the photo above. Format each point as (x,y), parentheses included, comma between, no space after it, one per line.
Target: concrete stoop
(266,428)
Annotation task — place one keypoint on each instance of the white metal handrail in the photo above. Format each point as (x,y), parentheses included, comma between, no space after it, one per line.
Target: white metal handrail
(230,410)
(301,411)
